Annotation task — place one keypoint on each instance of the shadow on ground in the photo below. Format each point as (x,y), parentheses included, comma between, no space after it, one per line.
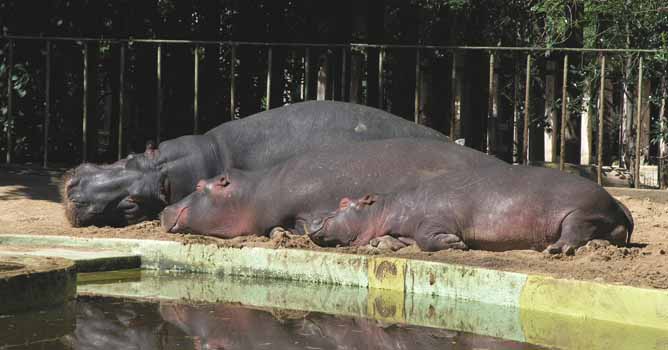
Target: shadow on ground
(18,184)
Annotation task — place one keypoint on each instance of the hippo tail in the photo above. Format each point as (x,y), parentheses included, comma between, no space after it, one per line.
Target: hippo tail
(629,220)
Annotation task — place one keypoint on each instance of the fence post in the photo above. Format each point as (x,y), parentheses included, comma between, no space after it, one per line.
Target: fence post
(121,101)
(381,78)
(564,115)
(344,57)
(453,96)
(269,69)
(196,90)
(158,103)
(233,73)
(84,123)
(417,86)
(636,173)
(491,117)
(47,103)
(601,116)
(307,73)
(527,95)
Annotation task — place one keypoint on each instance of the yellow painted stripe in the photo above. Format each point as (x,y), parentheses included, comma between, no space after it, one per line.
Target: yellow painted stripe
(387,273)
(550,330)
(386,305)
(580,299)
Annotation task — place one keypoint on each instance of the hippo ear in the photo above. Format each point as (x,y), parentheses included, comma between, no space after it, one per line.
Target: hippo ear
(344,203)
(150,146)
(368,199)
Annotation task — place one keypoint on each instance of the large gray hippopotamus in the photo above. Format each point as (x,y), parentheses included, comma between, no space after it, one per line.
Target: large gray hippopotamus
(241,202)
(493,208)
(138,187)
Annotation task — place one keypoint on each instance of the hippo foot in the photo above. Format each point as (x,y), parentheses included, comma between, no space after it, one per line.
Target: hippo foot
(560,248)
(388,243)
(441,241)
(279,232)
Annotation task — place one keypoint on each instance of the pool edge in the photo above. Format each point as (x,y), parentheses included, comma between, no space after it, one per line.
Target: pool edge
(635,306)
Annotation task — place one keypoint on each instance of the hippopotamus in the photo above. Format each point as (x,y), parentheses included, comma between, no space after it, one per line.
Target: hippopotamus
(138,187)
(239,202)
(494,208)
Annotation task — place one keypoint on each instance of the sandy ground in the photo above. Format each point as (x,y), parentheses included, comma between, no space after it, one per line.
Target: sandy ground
(30,204)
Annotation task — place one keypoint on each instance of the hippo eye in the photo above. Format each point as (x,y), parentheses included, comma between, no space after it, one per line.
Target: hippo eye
(134,199)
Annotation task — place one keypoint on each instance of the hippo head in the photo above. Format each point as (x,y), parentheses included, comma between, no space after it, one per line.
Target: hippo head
(218,207)
(119,194)
(342,226)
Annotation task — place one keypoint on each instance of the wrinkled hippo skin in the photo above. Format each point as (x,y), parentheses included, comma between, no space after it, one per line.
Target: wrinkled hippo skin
(137,188)
(496,208)
(241,202)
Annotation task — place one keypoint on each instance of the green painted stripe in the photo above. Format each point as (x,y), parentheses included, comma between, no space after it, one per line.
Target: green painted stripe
(465,282)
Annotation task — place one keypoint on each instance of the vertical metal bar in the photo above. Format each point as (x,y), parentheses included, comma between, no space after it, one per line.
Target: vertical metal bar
(453,96)
(10,99)
(636,173)
(196,91)
(270,57)
(84,124)
(307,75)
(491,120)
(417,86)
(47,103)
(121,101)
(158,103)
(564,115)
(233,73)
(527,95)
(381,77)
(601,116)
(344,72)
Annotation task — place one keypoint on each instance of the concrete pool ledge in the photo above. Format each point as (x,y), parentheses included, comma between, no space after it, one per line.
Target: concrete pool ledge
(581,300)
(85,259)
(32,282)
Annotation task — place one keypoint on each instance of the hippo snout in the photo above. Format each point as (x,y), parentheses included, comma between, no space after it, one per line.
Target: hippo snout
(172,218)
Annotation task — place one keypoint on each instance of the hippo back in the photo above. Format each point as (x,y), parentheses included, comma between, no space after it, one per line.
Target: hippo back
(270,137)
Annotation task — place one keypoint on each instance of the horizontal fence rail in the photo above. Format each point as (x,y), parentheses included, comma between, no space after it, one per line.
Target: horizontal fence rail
(492,128)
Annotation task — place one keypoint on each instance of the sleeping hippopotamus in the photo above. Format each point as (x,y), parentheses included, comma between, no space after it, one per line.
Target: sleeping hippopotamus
(493,208)
(138,187)
(240,202)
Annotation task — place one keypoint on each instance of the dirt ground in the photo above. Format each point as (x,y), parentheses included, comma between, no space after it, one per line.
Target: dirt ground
(30,204)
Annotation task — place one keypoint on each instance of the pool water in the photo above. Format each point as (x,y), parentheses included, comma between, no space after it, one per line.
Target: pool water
(97,322)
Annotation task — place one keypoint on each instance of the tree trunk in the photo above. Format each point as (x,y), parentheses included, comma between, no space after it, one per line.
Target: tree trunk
(663,146)
(586,113)
(323,80)
(356,77)
(551,131)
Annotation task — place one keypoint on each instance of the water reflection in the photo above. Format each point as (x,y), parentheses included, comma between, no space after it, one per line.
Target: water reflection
(110,323)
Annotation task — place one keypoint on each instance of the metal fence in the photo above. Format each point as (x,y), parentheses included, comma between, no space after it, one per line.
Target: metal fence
(493,52)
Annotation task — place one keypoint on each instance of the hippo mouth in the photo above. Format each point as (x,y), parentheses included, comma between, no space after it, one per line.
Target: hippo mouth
(313,227)
(176,225)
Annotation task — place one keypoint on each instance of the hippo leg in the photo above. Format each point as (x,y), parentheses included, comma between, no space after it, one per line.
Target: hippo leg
(432,242)
(576,230)
(387,243)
